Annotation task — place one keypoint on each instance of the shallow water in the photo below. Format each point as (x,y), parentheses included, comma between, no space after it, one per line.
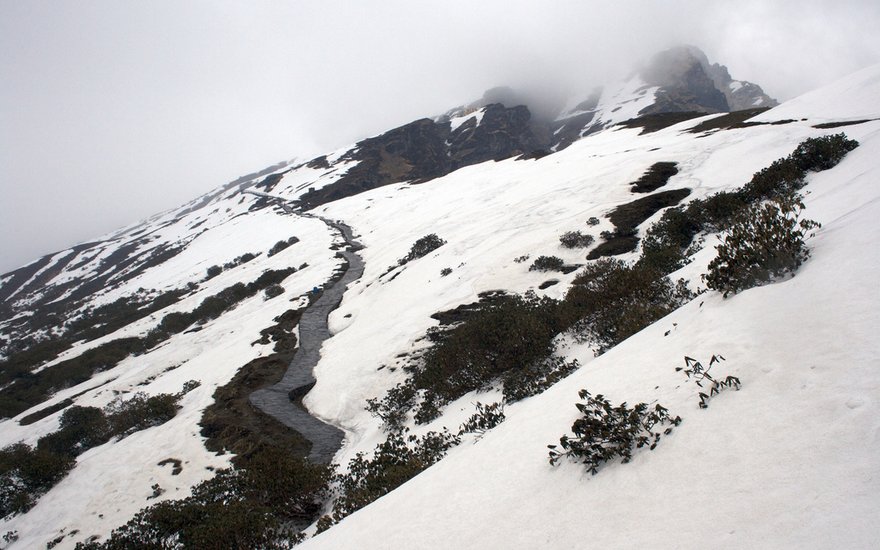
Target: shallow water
(283,401)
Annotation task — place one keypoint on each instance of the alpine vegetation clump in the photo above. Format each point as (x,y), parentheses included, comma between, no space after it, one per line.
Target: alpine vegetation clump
(694,370)
(547,263)
(422,247)
(603,432)
(576,239)
(767,242)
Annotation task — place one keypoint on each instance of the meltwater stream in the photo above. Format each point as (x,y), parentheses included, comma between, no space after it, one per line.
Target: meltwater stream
(283,401)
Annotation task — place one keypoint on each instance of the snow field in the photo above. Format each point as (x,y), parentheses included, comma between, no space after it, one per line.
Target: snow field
(788,461)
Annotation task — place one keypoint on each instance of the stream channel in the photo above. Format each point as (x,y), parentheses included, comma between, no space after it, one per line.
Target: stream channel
(283,401)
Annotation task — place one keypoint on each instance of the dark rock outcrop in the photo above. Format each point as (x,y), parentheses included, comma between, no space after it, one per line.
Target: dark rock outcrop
(426,149)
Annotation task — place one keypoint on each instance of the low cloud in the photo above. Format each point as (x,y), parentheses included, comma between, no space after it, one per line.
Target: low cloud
(113,111)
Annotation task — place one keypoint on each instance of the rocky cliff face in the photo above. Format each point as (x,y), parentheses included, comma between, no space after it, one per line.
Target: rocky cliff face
(427,149)
(688,82)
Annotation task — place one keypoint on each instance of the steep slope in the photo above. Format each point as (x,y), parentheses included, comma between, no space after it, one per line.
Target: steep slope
(428,177)
(786,461)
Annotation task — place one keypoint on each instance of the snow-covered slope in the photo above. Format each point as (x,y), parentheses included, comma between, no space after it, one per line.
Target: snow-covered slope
(788,461)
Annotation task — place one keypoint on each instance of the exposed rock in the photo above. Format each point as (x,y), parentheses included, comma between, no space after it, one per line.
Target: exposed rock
(684,83)
(426,149)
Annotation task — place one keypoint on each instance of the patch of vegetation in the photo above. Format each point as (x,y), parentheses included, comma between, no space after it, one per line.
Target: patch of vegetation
(394,462)
(727,121)
(656,177)
(592,221)
(422,247)
(262,502)
(611,300)
(576,239)
(665,243)
(273,291)
(766,243)
(445,271)
(547,263)
(658,121)
(484,419)
(695,371)
(282,245)
(603,432)
(28,389)
(504,335)
(243,259)
(827,125)
(627,217)
(26,473)
(176,465)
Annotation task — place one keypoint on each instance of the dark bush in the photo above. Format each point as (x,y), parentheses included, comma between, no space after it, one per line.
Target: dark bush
(694,370)
(282,245)
(81,428)
(535,377)
(823,153)
(26,474)
(486,418)
(273,291)
(140,412)
(547,263)
(576,239)
(767,242)
(610,301)
(394,462)
(445,271)
(422,248)
(505,335)
(655,177)
(213,271)
(593,220)
(262,503)
(603,432)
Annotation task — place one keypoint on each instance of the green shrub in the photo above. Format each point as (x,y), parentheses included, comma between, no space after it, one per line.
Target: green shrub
(695,370)
(81,428)
(486,418)
(611,300)
(547,263)
(603,432)
(823,153)
(592,220)
(504,336)
(26,473)
(140,412)
(422,248)
(262,503)
(282,245)
(394,462)
(766,243)
(576,239)
(655,177)
(213,271)
(445,271)
(273,291)
(534,378)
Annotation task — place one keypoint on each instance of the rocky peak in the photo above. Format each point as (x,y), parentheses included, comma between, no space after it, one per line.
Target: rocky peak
(688,82)
(685,85)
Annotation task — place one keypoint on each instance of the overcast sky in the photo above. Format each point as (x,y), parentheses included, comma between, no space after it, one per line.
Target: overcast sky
(113,110)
